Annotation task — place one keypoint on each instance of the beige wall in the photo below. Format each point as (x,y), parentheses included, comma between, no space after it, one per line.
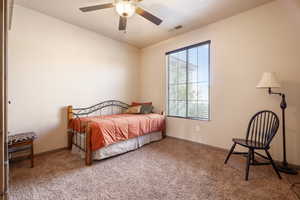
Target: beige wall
(53,64)
(243,47)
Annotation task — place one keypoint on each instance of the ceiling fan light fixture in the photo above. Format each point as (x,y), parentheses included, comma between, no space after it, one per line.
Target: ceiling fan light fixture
(125,8)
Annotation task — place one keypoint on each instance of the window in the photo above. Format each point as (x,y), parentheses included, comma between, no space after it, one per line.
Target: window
(189,82)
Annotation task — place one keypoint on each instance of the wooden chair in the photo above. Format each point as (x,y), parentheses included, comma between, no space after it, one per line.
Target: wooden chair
(261,129)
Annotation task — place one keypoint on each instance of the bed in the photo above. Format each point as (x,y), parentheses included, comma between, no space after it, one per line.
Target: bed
(102,131)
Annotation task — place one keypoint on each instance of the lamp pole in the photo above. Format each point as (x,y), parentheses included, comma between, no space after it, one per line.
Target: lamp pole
(285,166)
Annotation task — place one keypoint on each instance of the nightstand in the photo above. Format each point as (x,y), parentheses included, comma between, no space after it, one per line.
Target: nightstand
(20,144)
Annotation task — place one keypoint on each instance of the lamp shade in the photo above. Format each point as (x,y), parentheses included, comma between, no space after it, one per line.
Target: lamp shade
(268,80)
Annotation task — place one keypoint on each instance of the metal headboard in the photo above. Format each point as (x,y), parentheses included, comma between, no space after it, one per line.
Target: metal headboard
(104,108)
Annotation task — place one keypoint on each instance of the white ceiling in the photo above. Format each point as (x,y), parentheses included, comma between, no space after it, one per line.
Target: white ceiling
(191,14)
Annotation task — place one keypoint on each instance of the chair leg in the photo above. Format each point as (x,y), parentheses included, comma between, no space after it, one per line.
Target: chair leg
(252,156)
(230,152)
(248,164)
(273,164)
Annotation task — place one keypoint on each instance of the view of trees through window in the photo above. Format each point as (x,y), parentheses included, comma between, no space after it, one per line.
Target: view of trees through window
(188,82)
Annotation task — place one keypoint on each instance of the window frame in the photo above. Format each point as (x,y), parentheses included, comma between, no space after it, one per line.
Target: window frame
(208,42)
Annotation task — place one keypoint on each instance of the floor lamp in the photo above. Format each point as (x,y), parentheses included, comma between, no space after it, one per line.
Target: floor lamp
(270,81)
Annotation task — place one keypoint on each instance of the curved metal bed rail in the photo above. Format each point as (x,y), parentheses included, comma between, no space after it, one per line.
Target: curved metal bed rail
(98,107)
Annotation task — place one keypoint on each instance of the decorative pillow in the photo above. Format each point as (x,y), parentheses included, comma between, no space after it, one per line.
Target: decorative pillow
(146,109)
(133,110)
(140,103)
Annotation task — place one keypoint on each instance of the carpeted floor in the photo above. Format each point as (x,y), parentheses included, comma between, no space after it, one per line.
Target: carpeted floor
(167,170)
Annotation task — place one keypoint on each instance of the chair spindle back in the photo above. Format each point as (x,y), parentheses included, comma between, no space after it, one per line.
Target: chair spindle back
(262,128)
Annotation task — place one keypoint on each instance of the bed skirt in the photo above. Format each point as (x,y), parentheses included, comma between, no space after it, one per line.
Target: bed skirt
(120,147)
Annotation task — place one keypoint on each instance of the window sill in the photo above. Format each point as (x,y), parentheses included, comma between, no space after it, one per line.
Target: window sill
(189,118)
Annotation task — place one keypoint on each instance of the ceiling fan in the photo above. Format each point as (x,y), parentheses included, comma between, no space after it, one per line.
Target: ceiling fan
(126,9)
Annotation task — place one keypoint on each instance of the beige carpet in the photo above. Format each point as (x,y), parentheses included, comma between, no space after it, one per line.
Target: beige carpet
(167,170)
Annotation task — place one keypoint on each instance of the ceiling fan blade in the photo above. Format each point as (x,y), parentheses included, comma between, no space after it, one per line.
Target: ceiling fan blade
(96,7)
(122,23)
(148,16)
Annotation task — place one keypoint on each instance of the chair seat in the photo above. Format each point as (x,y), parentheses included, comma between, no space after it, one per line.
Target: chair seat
(249,143)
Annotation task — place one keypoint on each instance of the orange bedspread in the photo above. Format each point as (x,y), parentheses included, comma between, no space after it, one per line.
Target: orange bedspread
(106,130)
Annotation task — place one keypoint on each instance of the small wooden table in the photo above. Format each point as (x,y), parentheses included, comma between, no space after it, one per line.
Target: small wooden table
(22,142)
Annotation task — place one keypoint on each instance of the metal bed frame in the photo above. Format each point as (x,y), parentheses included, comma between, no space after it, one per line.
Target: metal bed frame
(75,138)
